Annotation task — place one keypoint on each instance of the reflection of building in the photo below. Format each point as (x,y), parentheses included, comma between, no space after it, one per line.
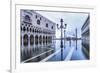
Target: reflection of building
(86,37)
(36,32)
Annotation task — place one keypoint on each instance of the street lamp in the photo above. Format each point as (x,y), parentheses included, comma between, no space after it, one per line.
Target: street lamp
(61,27)
(76,37)
(64,37)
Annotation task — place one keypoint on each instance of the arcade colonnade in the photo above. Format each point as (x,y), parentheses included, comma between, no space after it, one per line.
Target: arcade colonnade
(37,32)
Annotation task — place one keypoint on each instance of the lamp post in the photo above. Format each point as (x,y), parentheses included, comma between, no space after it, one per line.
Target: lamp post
(64,38)
(76,37)
(61,45)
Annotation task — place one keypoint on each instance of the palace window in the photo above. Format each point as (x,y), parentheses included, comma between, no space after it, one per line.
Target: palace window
(46,24)
(27,18)
(38,22)
(33,30)
(36,16)
(22,24)
(52,27)
(24,29)
(30,29)
(27,29)
(40,18)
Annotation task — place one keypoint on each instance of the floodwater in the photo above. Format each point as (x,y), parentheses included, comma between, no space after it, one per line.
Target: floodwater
(77,53)
(68,52)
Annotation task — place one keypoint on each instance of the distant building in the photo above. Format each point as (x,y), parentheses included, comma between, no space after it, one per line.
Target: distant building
(86,37)
(37,32)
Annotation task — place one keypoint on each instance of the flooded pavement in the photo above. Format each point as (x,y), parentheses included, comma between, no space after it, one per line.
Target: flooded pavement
(68,52)
(77,54)
(39,54)
(61,55)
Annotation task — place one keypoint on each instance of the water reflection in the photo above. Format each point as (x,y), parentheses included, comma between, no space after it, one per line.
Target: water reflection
(63,53)
(68,52)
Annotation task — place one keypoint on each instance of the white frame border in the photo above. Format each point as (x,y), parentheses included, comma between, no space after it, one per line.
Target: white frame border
(17,67)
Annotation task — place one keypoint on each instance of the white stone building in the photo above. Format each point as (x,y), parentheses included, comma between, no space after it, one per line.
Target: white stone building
(37,32)
(86,37)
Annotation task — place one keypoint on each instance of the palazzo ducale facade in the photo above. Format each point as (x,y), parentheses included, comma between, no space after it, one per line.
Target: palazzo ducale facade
(36,32)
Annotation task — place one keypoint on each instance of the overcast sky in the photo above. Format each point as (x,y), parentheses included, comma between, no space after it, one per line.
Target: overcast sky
(73,20)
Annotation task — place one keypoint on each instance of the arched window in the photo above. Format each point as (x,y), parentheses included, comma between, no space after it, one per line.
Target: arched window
(33,30)
(27,18)
(24,29)
(27,28)
(22,24)
(37,31)
(31,39)
(38,22)
(25,40)
(52,27)
(25,24)
(30,29)
(36,16)
(40,18)
(46,24)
